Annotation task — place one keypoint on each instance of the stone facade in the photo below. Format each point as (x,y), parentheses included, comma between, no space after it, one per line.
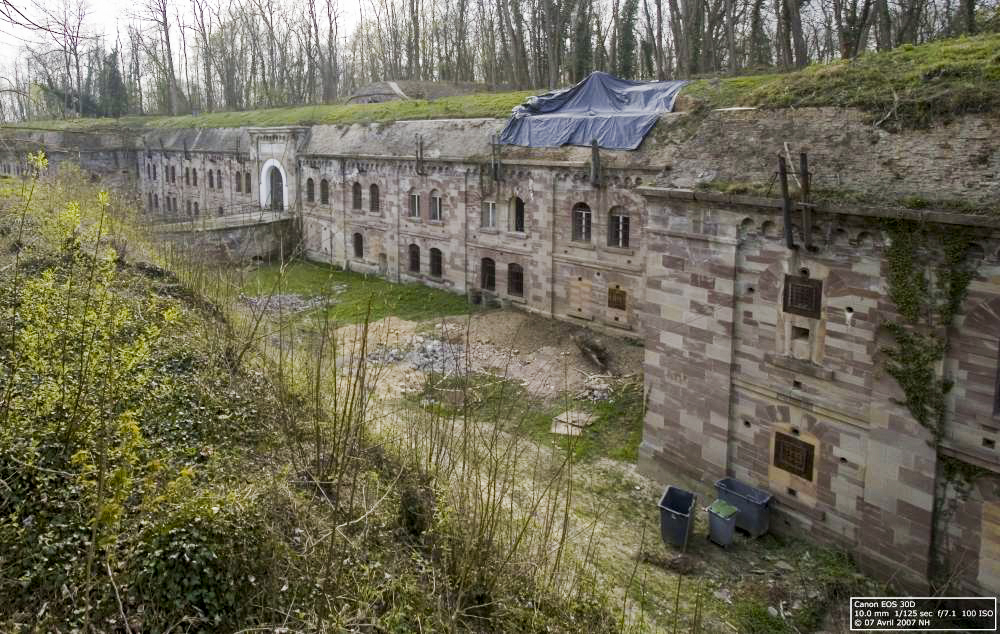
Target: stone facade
(762,362)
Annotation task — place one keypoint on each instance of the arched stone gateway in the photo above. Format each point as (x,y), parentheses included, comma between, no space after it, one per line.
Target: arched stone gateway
(273,186)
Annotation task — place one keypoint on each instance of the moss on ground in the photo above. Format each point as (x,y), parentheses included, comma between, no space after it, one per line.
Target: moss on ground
(351,293)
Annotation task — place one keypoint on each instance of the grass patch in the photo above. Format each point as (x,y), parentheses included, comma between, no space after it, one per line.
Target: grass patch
(351,293)
(615,433)
(911,86)
(489,105)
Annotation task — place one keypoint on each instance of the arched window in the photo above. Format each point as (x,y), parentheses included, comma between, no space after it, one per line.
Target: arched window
(517,214)
(414,204)
(373,201)
(218,178)
(187,175)
(238,182)
(154,172)
(618,229)
(149,171)
(324,192)
(437,206)
(515,280)
(247,182)
(356,190)
(581,222)
(437,264)
(156,202)
(359,245)
(211,179)
(414,258)
(194,176)
(310,191)
(488,275)
(173,173)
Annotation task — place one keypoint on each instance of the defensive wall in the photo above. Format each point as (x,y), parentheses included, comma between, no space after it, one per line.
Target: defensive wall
(763,361)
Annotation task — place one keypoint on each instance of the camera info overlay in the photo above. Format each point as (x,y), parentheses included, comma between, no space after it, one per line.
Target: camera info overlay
(923,614)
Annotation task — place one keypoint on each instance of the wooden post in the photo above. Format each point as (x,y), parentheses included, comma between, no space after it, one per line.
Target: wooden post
(806,207)
(786,202)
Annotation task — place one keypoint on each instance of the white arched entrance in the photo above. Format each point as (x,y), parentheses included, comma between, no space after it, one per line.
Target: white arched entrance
(267,172)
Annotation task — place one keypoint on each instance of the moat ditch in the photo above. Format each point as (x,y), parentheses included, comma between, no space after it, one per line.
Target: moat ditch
(437,357)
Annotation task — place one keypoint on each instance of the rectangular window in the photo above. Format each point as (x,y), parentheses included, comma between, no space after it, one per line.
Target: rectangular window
(618,231)
(414,205)
(489,218)
(437,208)
(617,299)
(793,455)
(803,296)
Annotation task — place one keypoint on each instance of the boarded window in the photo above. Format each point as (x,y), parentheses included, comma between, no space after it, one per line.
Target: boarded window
(359,246)
(488,275)
(310,191)
(437,264)
(581,223)
(356,195)
(324,192)
(617,298)
(517,215)
(793,455)
(618,234)
(437,206)
(803,296)
(414,205)
(515,280)
(414,258)
(489,215)
(373,200)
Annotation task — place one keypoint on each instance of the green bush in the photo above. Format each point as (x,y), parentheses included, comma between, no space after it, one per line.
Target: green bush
(207,564)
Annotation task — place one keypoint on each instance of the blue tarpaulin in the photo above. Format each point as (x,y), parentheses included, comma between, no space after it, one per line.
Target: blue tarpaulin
(616,112)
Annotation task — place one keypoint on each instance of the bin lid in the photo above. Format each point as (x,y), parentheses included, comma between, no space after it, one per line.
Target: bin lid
(723,509)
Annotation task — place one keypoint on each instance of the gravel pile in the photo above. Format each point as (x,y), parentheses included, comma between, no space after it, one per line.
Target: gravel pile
(287,303)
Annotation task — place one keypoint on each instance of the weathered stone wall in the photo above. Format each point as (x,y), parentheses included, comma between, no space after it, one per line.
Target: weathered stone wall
(732,372)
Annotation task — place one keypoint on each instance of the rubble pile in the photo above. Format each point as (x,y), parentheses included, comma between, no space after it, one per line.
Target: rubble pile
(283,303)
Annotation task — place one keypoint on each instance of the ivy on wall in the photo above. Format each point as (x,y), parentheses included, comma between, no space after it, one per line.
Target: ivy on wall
(928,278)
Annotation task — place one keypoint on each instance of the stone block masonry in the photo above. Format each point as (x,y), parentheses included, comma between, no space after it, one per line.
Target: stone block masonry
(762,362)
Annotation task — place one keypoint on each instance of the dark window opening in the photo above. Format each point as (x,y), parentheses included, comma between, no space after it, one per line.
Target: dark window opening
(359,246)
(515,280)
(793,455)
(437,264)
(218,178)
(187,207)
(238,182)
(211,179)
(156,202)
(803,296)
(617,298)
(517,222)
(581,223)
(324,192)
(488,275)
(246,177)
(437,206)
(373,201)
(800,334)
(618,234)
(187,175)
(196,210)
(414,258)
(194,176)
(310,191)
(357,195)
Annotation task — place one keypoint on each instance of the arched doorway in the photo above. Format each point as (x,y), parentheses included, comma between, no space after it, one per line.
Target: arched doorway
(273,186)
(277,198)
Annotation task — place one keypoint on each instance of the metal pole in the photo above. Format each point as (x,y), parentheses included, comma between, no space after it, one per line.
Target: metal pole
(786,201)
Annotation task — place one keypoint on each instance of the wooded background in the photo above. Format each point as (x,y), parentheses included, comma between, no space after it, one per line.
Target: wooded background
(176,57)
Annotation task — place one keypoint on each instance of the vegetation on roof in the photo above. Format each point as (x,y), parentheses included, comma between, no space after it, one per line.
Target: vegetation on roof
(909,86)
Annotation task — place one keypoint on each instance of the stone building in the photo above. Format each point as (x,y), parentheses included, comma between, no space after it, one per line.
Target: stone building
(763,362)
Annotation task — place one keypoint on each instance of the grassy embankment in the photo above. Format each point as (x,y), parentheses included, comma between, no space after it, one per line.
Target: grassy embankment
(908,86)
(169,462)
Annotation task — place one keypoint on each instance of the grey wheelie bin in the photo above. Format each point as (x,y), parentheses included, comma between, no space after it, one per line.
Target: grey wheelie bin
(676,516)
(753,516)
(722,522)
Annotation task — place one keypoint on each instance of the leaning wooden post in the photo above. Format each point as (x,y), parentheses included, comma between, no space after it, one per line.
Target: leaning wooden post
(786,202)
